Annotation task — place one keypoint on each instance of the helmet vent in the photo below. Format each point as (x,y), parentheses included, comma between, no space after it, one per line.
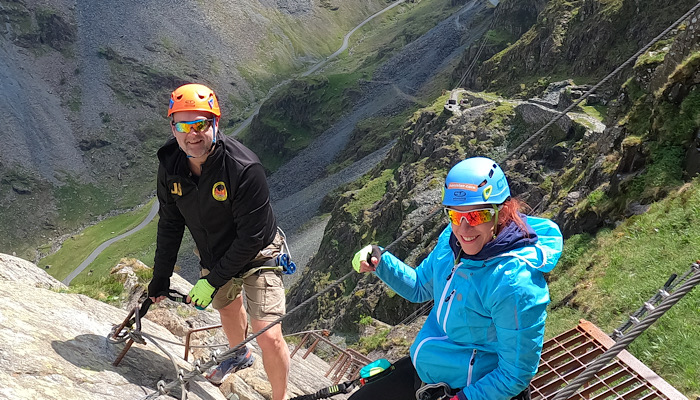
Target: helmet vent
(491,172)
(179,97)
(484,182)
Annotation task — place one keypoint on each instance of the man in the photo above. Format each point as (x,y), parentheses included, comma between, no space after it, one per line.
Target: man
(217,188)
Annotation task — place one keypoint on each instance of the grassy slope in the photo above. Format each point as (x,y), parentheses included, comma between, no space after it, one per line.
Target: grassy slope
(79,246)
(617,271)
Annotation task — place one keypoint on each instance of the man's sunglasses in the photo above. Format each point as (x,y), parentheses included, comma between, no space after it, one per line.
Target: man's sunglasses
(473,217)
(198,126)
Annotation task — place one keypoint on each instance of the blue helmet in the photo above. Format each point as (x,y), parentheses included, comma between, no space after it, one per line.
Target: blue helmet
(476,180)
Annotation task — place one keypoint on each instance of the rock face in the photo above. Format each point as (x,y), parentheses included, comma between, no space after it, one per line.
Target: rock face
(15,269)
(54,346)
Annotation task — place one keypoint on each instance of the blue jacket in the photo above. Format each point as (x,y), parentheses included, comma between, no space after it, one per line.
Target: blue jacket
(485,332)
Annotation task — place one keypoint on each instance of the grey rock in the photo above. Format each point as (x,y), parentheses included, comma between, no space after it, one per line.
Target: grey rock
(15,269)
(54,346)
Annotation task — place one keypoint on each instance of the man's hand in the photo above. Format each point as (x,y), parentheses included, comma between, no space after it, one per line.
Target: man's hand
(201,294)
(158,288)
(360,260)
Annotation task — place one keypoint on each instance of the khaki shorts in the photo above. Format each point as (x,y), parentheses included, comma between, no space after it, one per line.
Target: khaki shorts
(263,289)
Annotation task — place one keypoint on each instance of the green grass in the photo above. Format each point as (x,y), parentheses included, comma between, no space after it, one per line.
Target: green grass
(363,198)
(107,288)
(598,111)
(655,55)
(369,343)
(495,37)
(141,246)
(78,247)
(617,271)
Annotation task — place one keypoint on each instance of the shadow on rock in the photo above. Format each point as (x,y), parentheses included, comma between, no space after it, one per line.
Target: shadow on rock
(139,366)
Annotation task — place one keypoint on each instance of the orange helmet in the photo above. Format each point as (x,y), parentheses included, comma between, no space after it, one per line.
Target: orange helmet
(194,97)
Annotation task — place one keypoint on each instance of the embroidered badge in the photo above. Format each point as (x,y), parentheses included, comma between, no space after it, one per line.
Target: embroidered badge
(219,191)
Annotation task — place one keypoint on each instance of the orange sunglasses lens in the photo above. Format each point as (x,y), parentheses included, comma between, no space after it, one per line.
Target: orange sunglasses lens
(473,217)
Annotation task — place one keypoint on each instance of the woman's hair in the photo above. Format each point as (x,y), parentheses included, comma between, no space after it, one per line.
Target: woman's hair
(510,211)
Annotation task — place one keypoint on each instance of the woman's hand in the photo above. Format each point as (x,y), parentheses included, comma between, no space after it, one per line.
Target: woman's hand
(361,260)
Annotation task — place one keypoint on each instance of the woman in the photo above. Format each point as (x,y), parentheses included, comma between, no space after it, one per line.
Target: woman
(483,337)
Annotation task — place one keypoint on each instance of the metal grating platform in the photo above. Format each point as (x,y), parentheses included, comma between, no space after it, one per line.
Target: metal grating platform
(564,357)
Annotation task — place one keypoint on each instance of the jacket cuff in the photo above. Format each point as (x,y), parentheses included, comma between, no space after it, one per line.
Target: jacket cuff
(215,280)
(459,396)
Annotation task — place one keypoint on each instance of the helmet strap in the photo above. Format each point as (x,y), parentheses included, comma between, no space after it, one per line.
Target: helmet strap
(213,125)
(495,221)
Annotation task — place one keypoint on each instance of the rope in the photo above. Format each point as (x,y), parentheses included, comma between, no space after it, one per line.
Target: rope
(602,82)
(659,296)
(172,360)
(603,360)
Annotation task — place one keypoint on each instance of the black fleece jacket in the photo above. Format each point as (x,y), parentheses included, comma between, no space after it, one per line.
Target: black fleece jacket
(227,210)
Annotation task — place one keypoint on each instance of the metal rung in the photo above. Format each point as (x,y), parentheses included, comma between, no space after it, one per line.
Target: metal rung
(625,378)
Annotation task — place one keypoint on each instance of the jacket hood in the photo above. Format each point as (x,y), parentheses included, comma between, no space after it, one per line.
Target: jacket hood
(540,248)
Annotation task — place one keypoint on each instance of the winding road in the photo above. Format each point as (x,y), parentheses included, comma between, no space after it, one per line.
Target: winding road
(314,68)
(104,245)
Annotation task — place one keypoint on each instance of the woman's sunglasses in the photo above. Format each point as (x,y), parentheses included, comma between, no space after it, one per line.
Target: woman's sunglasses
(473,217)
(199,126)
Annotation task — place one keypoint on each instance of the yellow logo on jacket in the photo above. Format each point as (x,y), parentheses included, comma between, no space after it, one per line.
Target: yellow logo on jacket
(218,191)
(177,189)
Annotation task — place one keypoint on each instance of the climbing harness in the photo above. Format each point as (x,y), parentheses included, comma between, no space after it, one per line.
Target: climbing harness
(199,368)
(371,372)
(434,391)
(281,262)
(284,259)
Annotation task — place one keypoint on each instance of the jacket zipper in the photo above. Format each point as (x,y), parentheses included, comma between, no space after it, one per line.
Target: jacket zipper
(444,292)
(199,208)
(447,312)
(471,367)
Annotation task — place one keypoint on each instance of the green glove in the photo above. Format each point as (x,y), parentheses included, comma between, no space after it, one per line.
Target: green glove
(366,254)
(202,293)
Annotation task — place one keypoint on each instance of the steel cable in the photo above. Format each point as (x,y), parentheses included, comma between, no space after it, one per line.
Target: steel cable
(599,84)
(604,359)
